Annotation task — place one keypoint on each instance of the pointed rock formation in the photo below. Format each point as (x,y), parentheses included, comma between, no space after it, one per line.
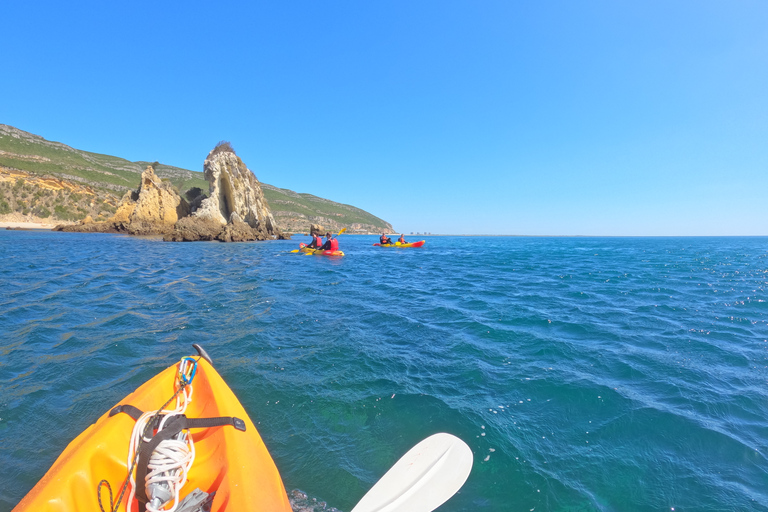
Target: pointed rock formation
(152,209)
(235,203)
(234,189)
(158,203)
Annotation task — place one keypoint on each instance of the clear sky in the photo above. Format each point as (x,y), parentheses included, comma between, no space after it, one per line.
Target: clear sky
(480,116)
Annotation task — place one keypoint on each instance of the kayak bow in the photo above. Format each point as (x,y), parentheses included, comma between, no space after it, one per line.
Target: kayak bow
(229,456)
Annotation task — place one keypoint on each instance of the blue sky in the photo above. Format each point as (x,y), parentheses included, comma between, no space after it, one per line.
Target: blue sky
(479,117)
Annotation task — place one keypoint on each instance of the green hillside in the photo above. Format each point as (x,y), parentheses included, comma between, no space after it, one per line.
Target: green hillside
(293,212)
(109,177)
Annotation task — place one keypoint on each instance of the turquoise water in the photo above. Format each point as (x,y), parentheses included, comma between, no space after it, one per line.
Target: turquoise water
(586,374)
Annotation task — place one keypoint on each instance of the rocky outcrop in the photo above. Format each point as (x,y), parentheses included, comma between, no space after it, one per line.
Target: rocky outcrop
(152,209)
(158,203)
(193,229)
(235,203)
(234,210)
(316,229)
(87,225)
(234,189)
(238,231)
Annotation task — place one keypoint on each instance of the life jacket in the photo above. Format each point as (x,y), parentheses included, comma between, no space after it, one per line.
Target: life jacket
(384,239)
(401,240)
(318,242)
(334,245)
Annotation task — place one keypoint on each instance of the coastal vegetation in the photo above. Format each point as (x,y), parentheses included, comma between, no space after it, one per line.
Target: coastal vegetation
(52,200)
(294,212)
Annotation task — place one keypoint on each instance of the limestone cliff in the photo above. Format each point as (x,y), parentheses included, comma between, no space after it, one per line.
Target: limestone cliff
(234,210)
(234,190)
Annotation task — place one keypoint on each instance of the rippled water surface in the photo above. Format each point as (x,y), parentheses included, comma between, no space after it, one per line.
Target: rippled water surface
(610,374)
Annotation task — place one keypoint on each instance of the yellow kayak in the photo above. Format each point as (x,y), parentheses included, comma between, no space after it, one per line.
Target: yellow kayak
(320,252)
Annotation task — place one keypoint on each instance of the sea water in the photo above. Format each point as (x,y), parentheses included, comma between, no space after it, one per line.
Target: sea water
(586,374)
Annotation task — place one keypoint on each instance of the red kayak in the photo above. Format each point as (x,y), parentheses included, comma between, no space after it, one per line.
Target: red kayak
(402,246)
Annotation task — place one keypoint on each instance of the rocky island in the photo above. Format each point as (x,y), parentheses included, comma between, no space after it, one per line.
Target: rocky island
(233,209)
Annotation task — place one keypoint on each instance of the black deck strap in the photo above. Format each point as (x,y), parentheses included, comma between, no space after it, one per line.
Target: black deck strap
(221,421)
(136,413)
(133,412)
(216,422)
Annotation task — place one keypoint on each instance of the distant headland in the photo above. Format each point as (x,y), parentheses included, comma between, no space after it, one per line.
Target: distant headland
(45,183)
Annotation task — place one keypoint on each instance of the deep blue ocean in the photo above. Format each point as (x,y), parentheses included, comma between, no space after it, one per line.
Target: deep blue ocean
(586,374)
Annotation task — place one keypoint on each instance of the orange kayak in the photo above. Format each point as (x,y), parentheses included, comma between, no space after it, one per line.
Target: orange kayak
(230,464)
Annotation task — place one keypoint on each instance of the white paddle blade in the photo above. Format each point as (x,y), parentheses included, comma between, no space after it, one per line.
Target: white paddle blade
(423,479)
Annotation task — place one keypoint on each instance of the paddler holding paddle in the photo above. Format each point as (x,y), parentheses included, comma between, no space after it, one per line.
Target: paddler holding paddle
(316,242)
(331,244)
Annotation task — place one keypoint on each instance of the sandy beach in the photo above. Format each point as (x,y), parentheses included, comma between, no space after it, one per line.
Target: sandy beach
(18,221)
(26,225)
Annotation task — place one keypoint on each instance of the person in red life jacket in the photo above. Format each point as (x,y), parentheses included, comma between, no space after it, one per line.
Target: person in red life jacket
(331,244)
(401,239)
(316,242)
(384,239)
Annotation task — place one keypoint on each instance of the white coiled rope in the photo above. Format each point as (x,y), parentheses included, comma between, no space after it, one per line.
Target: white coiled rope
(170,462)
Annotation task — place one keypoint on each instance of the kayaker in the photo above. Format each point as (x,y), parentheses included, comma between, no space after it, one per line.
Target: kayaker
(316,242)
(401,239)
(384,239)
(331,244)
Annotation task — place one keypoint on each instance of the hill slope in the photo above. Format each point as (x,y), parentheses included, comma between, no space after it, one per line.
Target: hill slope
(294,212)
(52,180)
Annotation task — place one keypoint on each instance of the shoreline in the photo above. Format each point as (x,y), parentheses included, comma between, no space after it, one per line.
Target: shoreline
(28,225)
(46,226)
